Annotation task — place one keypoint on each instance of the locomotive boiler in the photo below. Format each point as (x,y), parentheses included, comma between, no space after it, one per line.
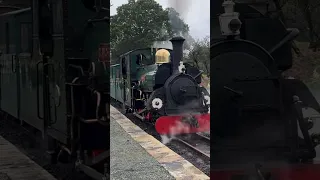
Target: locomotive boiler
(158,87)
(258,130)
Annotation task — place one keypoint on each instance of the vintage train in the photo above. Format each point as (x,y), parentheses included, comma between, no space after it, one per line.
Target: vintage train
(54,77)
(259,126)
(157,87)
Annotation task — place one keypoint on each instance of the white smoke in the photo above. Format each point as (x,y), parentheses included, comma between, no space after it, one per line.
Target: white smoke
(165,139)
(180,127)
(174,131)
(181,6)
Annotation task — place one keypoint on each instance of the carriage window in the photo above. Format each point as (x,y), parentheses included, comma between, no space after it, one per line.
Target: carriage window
(112,73)
(124,67)
(140,59)
(143,60)
(26,37)
(118,73)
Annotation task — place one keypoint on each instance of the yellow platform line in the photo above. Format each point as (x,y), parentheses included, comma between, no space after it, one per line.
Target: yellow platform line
(176,165)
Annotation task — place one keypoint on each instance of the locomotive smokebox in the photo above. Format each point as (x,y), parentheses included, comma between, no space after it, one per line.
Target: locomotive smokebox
(177,45)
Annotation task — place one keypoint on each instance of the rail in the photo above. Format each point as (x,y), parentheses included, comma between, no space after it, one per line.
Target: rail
(198,143)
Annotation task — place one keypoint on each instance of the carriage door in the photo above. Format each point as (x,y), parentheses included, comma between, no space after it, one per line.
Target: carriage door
(123,77)
(9,81)
(55,76)
(128,82)
(125,81)
(51,43)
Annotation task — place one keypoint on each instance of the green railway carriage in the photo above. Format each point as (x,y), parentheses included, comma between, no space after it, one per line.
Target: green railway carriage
(54,58)
(135,68)
(15,40)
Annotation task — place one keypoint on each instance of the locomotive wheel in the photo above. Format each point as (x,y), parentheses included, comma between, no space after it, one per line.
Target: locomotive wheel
(129,110)
(64,157)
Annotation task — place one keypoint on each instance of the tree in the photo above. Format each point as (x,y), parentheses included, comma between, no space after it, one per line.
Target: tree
(302,14)
(139,23)
(199,55)
(179,27)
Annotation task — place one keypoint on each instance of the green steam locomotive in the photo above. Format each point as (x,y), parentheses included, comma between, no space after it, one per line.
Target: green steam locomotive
(156,86)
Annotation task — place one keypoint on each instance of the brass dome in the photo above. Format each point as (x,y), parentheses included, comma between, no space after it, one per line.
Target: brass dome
(162,56)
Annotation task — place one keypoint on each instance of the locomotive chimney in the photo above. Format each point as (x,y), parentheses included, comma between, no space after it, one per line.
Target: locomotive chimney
(177,45)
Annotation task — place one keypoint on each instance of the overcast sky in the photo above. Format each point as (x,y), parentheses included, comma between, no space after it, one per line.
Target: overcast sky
(198,16)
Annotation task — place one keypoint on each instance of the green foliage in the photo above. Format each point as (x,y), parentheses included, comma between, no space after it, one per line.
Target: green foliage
(296,15)
(179,27)
(177,24)
(303,14)
(199,55)
(139,23)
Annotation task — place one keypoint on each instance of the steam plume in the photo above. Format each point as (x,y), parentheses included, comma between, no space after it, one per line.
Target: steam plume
(181,6)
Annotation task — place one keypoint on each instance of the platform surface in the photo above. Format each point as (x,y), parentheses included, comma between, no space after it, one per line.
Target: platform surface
(137,155)
(14,165)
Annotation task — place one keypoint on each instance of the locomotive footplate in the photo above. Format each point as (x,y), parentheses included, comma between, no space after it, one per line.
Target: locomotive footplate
(183,124)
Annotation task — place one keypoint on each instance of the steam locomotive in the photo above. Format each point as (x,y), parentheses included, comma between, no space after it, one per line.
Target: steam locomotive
(157,87)
(54,78)
(259,130)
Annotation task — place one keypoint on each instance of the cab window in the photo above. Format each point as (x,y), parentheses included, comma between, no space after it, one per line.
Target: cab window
(143,60)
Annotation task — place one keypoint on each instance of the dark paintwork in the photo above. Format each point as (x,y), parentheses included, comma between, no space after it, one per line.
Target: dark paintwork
(12,70)
(248,147)
(73,38)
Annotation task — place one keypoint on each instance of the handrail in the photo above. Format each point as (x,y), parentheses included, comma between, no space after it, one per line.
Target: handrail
(38,103)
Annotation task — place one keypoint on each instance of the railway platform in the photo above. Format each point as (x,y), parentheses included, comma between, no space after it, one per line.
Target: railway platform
(14,165)
(137,155)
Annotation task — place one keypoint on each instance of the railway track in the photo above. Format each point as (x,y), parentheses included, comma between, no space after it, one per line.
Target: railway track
(197,142)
